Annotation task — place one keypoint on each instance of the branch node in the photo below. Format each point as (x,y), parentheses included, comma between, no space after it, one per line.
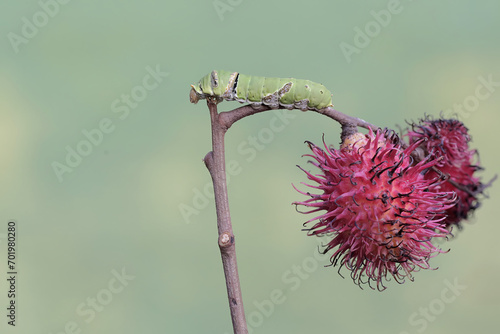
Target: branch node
(225,240)
(209,159)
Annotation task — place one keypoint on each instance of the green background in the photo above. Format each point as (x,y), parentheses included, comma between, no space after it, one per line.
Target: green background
(120,208)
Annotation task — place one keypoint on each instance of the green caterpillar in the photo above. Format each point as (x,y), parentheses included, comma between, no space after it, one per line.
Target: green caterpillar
(273,92)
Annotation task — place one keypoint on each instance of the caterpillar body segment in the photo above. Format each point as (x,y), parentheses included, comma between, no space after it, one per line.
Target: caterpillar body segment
(273,92)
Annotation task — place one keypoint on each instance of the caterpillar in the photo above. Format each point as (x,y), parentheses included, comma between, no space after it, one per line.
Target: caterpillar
(273,92)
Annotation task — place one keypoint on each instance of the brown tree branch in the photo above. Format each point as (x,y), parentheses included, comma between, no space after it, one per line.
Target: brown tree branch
(344,119)
(216,164)
(228,118)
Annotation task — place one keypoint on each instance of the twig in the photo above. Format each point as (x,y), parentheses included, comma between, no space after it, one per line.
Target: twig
(216,164)
(346,119)
(228,118)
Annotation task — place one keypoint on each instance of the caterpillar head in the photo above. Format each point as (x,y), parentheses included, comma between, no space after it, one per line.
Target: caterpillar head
(193,95)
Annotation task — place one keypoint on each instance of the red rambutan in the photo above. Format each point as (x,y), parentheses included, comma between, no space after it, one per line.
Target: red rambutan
(447,140)
(376,207)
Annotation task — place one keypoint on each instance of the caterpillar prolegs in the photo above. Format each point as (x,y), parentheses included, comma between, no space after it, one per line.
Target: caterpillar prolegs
(273,92)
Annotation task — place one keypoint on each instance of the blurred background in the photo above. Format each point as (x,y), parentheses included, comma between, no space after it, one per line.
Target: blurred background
(101,161)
